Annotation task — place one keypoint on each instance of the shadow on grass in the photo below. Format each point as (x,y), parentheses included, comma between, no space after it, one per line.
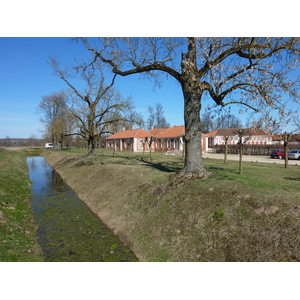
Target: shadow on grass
(169,167)
(212,169)
(291,178)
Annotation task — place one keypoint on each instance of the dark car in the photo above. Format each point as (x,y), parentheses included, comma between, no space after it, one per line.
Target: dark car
(278,153)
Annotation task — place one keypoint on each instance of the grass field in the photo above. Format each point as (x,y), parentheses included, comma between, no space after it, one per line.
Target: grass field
(228,217)
(17,229)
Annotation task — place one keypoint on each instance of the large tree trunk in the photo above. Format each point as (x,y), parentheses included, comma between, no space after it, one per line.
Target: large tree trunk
(193,167)
(91,146)
(192,94)
(91,129)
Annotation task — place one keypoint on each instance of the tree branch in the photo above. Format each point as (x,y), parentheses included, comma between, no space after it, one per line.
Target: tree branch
(156,66)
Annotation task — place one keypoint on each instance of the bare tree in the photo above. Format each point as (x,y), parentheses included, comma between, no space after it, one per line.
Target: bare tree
(160,120)
(129,144)
(150,141)
(55,117)
(156,117)
(286,137)
(32,140)
(151,118)
(207,123)
(227,139)
(7,141)
(296,122)
(96,107)
(243,137)
(211,121)
(240,71)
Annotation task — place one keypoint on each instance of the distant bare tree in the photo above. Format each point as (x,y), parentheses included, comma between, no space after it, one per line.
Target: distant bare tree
(156,117)
(32,140)
(55,117)
(227,139)
(96,107)
(243,137)
(151,118)
(211,121)
(286,137)
(7,141)
(129,144)
(296,122)
(150,140)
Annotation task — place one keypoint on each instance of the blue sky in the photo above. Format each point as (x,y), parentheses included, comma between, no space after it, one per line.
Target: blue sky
(26,76)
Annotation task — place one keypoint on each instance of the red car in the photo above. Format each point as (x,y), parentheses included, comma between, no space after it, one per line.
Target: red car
(278,153)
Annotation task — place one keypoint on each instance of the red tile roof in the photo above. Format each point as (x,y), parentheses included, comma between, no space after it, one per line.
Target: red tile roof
(173,132)
(156,131)
(231,131)
(135,133)
(277,137)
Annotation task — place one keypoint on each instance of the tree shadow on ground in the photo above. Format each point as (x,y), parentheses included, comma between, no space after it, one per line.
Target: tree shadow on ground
(291,178)
(169,167)
(211,169)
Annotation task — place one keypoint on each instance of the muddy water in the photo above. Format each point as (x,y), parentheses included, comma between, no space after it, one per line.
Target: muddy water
(68,229)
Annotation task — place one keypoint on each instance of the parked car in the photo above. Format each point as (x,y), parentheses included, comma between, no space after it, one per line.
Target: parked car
(278,153)
(48,145)
(295,154)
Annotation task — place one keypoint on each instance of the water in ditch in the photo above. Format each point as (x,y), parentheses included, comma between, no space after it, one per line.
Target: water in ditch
(68,229)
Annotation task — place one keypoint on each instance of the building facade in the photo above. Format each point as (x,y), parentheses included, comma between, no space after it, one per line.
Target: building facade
(251,137)
(163,139)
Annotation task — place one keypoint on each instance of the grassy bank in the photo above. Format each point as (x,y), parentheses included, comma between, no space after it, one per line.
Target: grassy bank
(229,217)
(17,229)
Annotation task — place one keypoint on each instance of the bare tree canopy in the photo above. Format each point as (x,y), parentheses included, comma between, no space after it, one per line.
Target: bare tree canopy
(56,118)
(98,108)
(212,122)
(156,117)
(255,73)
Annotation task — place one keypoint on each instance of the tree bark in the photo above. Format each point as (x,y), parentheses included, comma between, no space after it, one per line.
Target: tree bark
(91,146)
(241,156)
(192,94)
(91,128)
(226,151)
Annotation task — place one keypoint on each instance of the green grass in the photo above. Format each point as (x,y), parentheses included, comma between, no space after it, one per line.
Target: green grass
(17,229)
(252,216)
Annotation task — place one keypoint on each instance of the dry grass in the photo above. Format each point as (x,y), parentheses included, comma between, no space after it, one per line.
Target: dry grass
(229,217)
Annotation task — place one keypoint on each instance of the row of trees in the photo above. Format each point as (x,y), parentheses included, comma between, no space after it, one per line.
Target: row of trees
(211,122)
(31,141)
(253,73)
(93,111)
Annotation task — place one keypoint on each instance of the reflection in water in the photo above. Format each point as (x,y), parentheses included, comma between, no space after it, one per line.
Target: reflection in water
(68,229)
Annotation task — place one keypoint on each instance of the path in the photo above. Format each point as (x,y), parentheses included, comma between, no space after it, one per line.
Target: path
(252,158)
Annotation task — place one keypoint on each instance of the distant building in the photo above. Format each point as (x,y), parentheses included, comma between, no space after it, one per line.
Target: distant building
(255,137)
(133,140)
(164,139)
(277,140)
(170,139)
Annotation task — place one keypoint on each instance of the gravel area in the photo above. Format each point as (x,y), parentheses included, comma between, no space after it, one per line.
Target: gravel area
(252,158)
